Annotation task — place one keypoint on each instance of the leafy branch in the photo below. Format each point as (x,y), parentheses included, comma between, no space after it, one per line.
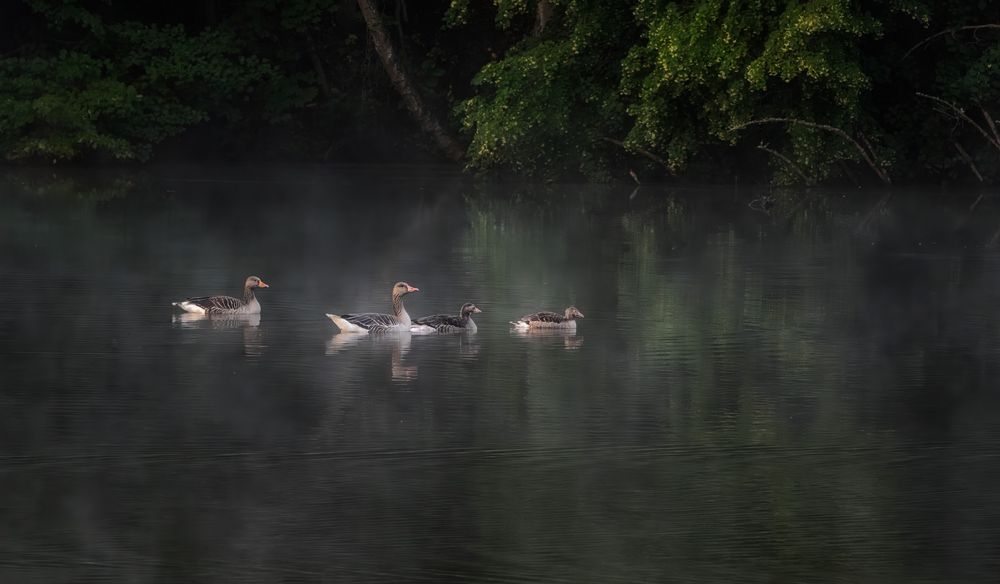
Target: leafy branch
(866,152)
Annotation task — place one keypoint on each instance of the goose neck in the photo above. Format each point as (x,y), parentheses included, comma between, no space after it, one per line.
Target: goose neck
(399,310)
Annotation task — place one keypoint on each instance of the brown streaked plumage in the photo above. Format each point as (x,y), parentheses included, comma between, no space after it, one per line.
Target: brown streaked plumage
(448,323)
(373,322)
(226,304)
(549,319)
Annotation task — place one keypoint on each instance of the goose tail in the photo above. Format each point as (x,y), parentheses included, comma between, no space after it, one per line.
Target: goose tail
(189,307)
(345,326)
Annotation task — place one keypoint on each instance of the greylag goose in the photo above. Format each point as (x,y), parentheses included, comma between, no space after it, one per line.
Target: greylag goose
(226,304)
(372,322)
(567,320)
(448,323)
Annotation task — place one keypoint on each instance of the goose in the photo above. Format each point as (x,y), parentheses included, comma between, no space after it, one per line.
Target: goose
(372,322)
(448,323)
(567,320)
(226,304)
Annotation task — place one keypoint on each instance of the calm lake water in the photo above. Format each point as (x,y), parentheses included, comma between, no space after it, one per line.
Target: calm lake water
(808,394)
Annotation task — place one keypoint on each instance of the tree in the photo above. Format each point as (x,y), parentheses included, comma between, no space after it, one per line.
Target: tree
(122,87)
(546,105)
(406,88)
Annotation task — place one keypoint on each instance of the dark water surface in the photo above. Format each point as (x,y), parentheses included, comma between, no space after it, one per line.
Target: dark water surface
(804,395)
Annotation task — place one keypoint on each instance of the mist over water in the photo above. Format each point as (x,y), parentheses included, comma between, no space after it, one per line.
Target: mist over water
(807,394)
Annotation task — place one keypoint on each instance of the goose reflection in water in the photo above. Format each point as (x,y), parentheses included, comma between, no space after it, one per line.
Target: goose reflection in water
(253,341)
(399,343)
(468,346)
(467,341)
(570,340)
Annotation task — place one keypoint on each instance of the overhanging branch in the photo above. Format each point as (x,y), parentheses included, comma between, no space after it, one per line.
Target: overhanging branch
(869,156)
(638,150)
(948,31)
(787,161)
(960,113)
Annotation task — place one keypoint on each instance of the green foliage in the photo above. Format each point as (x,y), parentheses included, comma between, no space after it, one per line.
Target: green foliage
(545,107)
(697,70)
(53,107)
(127,85)
(506,12)
(63,14)
(675,82)
(136,85)
(717,64)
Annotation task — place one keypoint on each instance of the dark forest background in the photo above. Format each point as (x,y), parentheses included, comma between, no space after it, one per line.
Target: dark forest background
(853,91)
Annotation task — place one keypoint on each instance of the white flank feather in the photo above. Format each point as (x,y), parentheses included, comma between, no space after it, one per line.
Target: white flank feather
(345,326)
(189,307)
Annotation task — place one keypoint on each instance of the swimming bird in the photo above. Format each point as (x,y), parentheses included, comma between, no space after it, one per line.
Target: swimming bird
(372,322)
(226,304)
(448,323)
(567,320)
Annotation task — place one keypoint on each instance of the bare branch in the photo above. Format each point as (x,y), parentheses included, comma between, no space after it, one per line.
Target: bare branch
(992,243)
(543,13)
(947,31)
(959,112)
(787,161)
(639,150)
(404,85)
(968,160)
(989,121)
(864,140)
(317,63)
(867,155)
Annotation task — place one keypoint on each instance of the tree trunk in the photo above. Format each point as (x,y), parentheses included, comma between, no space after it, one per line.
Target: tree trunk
(317,63)
(543,13)
(407,90)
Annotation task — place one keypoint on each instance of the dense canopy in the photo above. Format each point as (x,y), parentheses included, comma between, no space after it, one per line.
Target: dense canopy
(800,91)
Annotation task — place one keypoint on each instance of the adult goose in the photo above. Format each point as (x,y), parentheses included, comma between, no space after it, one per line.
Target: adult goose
(372,322)
(448,323)
(549,320)
(226,304)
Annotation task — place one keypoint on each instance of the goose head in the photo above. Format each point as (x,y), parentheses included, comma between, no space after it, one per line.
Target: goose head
(254,282)
(469,308)
(400,289)
(572,312)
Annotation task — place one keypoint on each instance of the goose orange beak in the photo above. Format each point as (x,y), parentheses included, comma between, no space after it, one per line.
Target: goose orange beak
(262,285)
(412,288)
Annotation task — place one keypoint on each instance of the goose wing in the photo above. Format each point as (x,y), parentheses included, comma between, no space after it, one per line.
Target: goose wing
(439,320)
(543,317)
(373,322)
(216,303)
